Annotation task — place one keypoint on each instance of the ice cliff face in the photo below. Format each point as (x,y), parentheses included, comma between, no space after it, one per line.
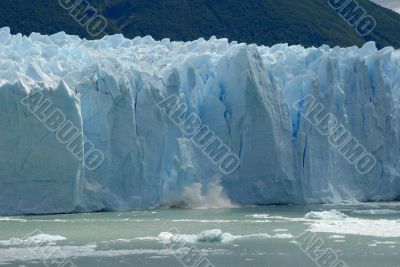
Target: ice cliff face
(110,91)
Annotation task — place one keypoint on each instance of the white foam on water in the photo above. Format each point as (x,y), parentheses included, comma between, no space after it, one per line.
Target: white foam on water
(385,242)
(36,239)
(45,238)
(220,221)
(276,218)
(336,223)
(283,236)
(12,219)
(280,230)
(124,240)
(337,237)
(259,216)
(149,238)
(205,221)
(256,221)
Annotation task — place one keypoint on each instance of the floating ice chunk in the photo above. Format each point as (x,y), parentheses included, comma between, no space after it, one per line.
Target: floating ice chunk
(212,236)
(325,215)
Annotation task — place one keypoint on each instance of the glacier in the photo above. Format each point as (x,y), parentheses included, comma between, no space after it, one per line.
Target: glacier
(109,90)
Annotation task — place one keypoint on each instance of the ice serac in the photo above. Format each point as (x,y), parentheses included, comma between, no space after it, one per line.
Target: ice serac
(258,125)
(109,89)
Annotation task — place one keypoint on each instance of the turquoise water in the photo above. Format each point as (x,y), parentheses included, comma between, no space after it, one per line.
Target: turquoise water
(359,235)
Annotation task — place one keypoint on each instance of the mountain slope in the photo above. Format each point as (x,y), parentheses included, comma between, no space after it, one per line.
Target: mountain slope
(306,22)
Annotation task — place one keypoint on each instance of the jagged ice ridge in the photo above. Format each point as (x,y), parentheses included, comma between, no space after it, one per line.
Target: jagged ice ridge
(109,89)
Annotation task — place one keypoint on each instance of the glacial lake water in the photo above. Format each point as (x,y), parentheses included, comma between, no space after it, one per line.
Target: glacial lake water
(358,235)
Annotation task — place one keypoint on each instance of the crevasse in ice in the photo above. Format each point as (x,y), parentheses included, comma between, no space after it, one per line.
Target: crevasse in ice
(110,88)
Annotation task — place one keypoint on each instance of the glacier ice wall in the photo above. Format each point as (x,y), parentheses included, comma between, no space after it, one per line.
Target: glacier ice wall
(109,89)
